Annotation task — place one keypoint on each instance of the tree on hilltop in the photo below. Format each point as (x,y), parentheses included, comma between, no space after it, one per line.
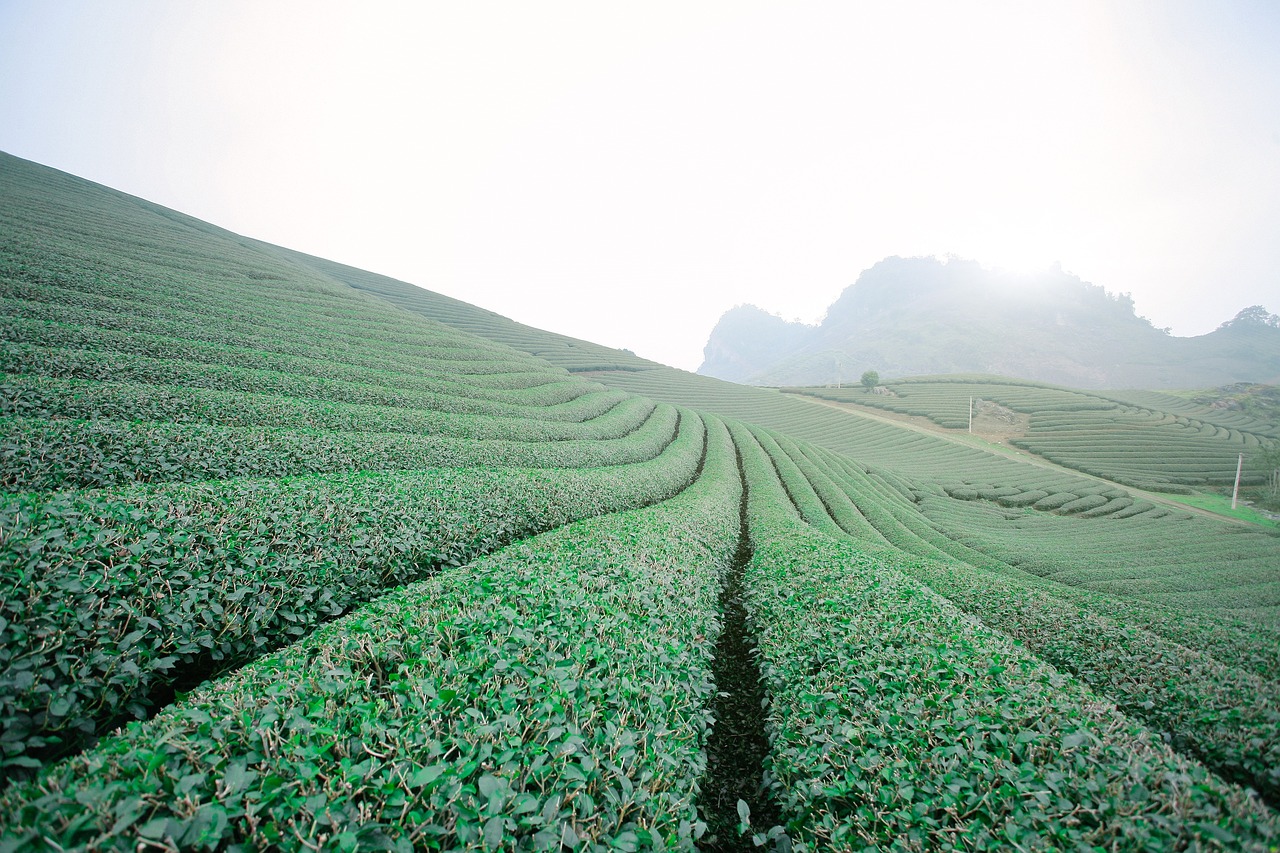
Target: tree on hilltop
(1254,315)
(870,380)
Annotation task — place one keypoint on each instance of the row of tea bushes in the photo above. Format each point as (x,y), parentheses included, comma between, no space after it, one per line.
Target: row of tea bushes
(899,722)
(110,597)
(37,454)
(612,414)
(555,692)
(162,316)
(516,384)
(569,399)
(1227,718)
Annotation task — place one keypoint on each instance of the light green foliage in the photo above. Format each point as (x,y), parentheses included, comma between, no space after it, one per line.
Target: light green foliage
(799,490)
(493,380)
(141,347)
(1227,717)
(1168,557)
(909,455)
(1248,408)
(1171,551)
(572,354)
(557,401)
(1097,433)
(818,470)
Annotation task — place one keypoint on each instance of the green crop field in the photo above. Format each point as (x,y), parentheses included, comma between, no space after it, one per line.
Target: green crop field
(296,556)
(1151,441)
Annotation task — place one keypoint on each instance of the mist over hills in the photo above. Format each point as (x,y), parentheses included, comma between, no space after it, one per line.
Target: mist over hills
(916,316)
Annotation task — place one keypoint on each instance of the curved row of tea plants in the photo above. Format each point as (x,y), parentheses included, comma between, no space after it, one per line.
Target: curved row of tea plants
(613,413)
(1001,541)
(109,596)
(36,454)
(572,354)
(1089,432)
(884,446)
(798,488)
(518,384)
(285,310)
(946,401)
(159,316)
(1147,450)
(1036,553)
(556,691)
(896,721)
(1225,717)
(889,506)
(1171,560)
(1087,498)
(569,399)
(829,485)
(1208,407)
(899,473)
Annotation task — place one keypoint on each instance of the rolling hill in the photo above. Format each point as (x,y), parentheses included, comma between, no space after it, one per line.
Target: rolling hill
(294,555)
(922,316)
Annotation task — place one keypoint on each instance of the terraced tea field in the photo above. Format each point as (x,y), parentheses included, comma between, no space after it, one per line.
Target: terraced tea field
(1150,441)
(295,556)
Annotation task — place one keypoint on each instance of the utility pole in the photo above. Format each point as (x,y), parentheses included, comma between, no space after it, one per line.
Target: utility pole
(1235,493)
(970,415)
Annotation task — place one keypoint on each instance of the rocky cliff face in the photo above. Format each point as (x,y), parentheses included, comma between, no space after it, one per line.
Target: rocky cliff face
(915,316)
(748,340)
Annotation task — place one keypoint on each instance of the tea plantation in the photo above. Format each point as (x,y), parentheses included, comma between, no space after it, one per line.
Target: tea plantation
(1153,441)
(295,556)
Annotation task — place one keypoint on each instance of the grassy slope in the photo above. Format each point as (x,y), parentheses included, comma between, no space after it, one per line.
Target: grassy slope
(572,354)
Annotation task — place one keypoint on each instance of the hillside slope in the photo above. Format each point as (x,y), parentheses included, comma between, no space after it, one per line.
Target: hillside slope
(572,354)
(917,316)
(909,464)
(356,578)
(1145,446)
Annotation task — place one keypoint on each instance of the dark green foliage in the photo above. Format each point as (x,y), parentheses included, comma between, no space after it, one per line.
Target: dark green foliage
(38,454)
(556,690)
(898,722)
(107,596)
(1225,717)
(612,415)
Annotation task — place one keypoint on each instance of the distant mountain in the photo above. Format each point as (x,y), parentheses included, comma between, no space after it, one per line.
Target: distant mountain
(916,316)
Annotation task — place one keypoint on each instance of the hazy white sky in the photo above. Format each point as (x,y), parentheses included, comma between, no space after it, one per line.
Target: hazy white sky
(627,172)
